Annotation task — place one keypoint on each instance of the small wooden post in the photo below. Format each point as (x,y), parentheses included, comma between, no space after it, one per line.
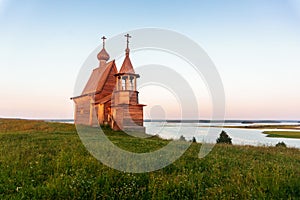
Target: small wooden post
(127,83)
(91,114)
(134,83)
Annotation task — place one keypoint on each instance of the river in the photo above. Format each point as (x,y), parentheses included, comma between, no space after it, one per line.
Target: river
(240,136)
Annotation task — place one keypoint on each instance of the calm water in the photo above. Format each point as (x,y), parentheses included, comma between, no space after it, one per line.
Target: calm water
(239,136)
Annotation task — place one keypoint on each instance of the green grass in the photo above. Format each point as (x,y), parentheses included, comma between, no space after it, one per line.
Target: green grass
(283,134)
(40,160)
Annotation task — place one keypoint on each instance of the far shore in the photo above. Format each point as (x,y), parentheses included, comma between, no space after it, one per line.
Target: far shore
(261,126)
(284,130)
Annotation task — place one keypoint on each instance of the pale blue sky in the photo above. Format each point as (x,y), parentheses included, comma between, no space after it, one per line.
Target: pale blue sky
(254,44)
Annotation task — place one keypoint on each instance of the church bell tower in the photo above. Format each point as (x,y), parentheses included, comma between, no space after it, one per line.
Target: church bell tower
(127,113)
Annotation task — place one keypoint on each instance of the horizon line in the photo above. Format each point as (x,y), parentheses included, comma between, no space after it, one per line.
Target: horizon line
(171,120)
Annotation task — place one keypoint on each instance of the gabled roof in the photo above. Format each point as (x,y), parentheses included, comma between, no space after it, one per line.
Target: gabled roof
(98,78)
(127,66)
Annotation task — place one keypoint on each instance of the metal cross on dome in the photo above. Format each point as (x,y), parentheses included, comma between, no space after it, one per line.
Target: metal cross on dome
(128,36)
(103,39)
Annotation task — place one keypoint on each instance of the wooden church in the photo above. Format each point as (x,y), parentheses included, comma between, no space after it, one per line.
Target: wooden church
(111,97)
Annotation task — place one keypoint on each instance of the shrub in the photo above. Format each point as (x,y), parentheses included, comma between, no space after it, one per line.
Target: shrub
(194,140)
(280,144)
(224,138)
(182,138)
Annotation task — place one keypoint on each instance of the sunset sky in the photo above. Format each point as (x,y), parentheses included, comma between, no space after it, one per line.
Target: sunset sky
(254,44)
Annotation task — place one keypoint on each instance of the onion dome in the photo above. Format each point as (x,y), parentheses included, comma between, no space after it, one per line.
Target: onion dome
(103,55)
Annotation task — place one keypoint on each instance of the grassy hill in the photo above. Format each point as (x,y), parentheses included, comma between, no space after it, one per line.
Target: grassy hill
(40,160)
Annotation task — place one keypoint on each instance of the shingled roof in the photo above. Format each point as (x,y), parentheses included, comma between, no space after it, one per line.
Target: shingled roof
(127,66)
(98,78)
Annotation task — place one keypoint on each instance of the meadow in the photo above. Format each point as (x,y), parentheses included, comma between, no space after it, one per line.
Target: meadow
(283,134)
(42,160)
